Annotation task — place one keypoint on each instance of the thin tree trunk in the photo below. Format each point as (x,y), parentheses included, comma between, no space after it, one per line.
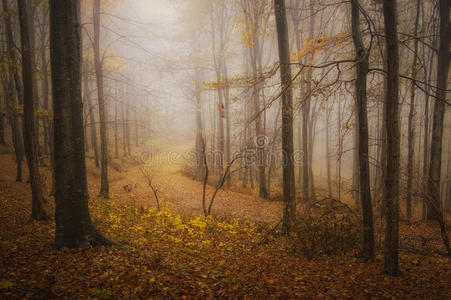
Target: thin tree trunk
(14,83)
(287,117)
(340,149)
(227,119)
(127,130)
(92,119)
(328,164)
(355,166)
(39,203)
(31,11)
(124,130)
(411,126)
(116,138)
(199,127)
(2,121)
(104,185)
(136,130)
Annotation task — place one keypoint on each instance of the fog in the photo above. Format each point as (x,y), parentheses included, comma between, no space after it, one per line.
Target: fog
(179,57)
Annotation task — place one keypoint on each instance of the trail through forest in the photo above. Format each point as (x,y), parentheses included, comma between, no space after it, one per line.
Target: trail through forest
(180,193)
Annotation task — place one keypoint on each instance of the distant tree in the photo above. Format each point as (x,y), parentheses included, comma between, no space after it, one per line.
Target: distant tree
(256,20)
(74,227)
(104,185)
(92,118)
(2,120)
(391,197)
(287,116)
(411,126)
(39,203)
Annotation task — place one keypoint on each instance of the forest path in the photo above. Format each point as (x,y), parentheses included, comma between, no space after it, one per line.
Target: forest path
(182,194)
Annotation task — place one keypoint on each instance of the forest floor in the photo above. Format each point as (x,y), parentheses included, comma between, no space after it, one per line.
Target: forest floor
(178,253)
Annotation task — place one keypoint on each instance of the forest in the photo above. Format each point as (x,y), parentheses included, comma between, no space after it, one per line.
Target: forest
(231,149)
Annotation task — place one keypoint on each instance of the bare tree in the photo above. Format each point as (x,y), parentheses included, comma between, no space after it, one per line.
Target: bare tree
(39,203)
(435,167)
(411,126)
(13,82)
(362,55)
(287,116)
(104,185)
(391,197)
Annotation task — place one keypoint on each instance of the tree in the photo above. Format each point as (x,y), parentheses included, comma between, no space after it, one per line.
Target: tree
(391,196)
(104,185)
(287,116)
(439,111)
(39,203)
(74,227)
(435,167)
(411,127)
(92,119)
(362,116)
(15,98)
(255,18)
(2,122)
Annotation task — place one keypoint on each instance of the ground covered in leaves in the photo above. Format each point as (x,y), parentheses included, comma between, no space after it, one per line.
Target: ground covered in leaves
(190,256)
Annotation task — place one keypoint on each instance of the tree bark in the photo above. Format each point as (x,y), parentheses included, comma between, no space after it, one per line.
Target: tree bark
(363,148)
(2,121)
(287,116)
(13,83)
(391,242)
(39,203)
(104,185)
(73,222)
(435,162)
(116,137)
(411,126)
(92,119)
(435,209)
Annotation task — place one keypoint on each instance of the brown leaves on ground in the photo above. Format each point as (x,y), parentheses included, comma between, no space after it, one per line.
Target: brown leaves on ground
(181,256)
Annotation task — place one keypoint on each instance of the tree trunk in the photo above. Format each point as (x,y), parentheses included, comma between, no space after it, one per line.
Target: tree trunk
(199,128)
(104,185)
(2,120)
(116,138)
(92,119)
(13,82)
(227,121)
(39,203)
(391,243)
(287,116)
(31,11)
(363,149)
(411,126)
(340,148)
(136,130)
(433,193)
(328,164)
(73,222)
(435,166)
(127,130)
(355,166)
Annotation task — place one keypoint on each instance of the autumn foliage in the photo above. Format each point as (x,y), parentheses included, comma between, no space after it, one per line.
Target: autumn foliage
(188,255)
